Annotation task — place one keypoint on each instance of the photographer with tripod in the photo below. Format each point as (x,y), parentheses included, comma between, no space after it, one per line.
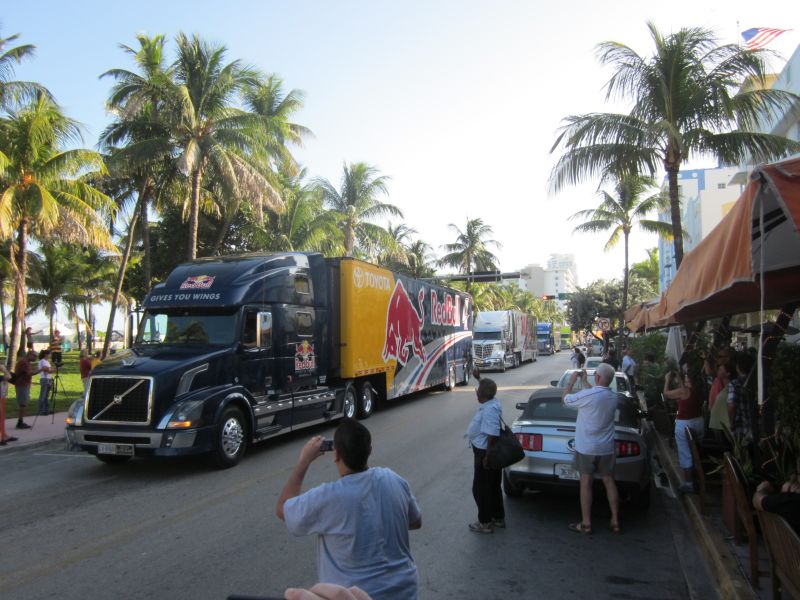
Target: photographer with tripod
(45,382)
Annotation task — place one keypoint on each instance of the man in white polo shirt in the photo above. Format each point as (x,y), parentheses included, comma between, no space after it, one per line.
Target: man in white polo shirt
(595,451)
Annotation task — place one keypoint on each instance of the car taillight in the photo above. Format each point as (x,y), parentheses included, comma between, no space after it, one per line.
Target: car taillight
(530,441)
(625,448)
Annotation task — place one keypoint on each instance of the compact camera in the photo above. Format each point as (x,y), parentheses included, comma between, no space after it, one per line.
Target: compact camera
(326,446)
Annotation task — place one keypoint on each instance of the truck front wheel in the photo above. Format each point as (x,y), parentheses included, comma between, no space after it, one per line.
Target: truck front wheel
(231,439)
(366,400)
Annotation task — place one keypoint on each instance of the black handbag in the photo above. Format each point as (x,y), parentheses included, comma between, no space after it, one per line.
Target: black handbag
(506,450)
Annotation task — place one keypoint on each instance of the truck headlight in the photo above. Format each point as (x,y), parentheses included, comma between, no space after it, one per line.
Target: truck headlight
(75,413)
(187,415)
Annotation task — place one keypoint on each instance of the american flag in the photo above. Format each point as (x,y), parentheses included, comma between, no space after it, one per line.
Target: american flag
(758,37)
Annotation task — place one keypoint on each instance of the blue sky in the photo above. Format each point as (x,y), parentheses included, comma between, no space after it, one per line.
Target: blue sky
(457,101)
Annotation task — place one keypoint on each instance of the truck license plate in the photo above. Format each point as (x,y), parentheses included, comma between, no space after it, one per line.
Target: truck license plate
(117,449)
(567,472)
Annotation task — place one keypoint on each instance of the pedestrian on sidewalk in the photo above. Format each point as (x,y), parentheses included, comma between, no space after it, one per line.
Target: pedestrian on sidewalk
(45,381)
(629,368)
(482,433)
(595,451)
(23,378)
(5,375)
(690,414)
(85,366)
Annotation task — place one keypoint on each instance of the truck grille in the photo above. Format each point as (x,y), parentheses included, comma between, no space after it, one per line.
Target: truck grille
(119,400)
(483,350)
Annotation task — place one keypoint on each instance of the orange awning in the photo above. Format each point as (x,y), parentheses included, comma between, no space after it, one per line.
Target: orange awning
(722,274)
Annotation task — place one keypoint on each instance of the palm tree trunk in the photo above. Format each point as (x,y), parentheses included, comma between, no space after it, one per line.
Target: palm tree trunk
(145,227)
(194,214)
(87,326)
(223,231)
(78,328)
(123,265)
(675,214)
(625,282)
(19,267)
(3,313)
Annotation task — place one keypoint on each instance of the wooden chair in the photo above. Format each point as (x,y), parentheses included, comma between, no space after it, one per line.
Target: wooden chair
(697,469)
(744,510)
(783,548)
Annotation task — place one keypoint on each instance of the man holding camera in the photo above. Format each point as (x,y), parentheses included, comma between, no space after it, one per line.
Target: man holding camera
(361,520)
(595,451)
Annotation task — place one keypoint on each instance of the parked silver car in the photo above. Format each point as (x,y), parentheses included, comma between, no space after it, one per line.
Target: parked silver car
(618,384)
(546,430)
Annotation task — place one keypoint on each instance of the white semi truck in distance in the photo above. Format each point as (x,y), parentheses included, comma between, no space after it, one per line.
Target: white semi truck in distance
(503,339)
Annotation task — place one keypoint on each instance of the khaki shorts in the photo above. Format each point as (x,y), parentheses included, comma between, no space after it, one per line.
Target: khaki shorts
(589,464)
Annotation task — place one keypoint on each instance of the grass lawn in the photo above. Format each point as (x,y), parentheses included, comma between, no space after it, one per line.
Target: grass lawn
(72,387)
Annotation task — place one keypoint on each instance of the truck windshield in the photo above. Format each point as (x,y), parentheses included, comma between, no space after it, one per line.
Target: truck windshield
(486,335)
(181,326)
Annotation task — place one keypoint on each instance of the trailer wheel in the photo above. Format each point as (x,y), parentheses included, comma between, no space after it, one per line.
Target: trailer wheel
(350,400)
(450,378)
(465,380)
(366,400)
(230,439)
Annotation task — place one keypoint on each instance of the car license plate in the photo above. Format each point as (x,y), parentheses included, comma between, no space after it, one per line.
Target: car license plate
(567,472)
(117,449)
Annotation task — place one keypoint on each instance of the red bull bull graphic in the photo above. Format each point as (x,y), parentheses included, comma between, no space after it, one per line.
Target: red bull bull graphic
(304,358)
(404,326)
(198,282)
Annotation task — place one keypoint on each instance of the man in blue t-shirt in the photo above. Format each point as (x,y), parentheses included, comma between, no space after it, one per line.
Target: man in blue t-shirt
(361,520)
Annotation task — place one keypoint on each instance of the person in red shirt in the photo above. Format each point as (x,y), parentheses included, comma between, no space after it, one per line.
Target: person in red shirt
(85,366)
(690,414)
(23,374)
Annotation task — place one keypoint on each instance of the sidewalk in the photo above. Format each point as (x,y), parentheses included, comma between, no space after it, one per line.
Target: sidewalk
(44,429)
(727,562)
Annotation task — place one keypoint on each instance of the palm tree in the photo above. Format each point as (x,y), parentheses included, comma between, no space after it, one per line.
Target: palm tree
(219,145)
(45,191)
(267,99)
(51,278)
(304,223)
(357,202)
(688,99)
(13,92)
(470,252)
(420,259)
(648,268)
(620,214)
(393,251)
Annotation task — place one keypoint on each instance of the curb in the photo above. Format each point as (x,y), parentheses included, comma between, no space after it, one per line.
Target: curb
(728,578)
(15,448)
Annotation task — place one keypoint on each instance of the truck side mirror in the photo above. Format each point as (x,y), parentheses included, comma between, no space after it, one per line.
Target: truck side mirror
(554,383)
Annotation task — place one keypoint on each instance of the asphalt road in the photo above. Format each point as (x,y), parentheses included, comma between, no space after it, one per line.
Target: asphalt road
(73,528)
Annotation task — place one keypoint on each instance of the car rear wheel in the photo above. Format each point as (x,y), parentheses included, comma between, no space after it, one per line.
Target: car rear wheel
(366,400)
(231,439)
(511,490)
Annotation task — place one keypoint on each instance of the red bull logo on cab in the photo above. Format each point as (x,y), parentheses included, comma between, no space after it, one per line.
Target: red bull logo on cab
(198,282)
(404,326)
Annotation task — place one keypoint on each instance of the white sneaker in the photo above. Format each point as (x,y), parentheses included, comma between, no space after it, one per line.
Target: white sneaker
(479,527)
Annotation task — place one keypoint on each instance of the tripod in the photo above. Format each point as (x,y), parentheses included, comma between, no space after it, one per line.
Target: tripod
(54,391)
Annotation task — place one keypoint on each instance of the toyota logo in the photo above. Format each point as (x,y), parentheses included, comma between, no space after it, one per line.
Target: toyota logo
(358,277)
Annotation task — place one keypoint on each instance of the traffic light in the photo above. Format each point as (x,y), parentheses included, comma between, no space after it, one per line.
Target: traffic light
(548,297)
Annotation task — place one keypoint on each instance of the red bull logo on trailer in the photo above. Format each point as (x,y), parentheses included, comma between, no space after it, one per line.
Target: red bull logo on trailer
(404,326)
(198,282)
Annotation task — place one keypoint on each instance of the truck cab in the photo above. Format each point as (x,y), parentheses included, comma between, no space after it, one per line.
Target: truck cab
(228,351)
(493,341)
